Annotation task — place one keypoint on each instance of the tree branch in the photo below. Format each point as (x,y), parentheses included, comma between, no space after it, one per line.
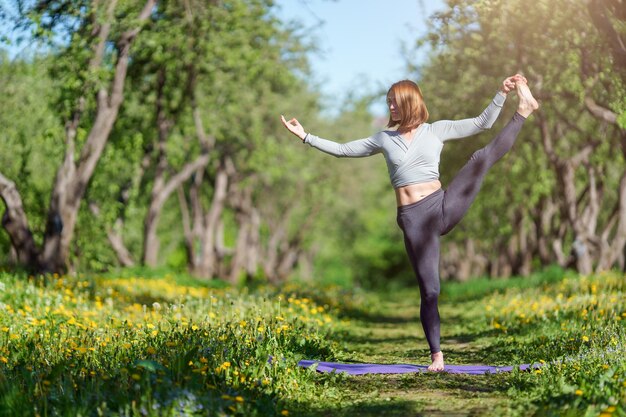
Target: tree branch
(600,112)
(182,176)
(107,109)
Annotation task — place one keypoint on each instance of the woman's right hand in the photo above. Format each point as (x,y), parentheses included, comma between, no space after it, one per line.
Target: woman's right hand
(294,127)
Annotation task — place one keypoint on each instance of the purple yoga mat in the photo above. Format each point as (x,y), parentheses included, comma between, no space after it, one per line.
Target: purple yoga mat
(372,368)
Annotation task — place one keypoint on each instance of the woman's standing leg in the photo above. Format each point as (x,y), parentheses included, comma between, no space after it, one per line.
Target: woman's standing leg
(421,225)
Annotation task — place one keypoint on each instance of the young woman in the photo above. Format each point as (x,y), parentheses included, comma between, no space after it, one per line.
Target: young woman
(412,151)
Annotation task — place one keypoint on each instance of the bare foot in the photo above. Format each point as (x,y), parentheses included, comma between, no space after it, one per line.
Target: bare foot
(527,103)
(437,365)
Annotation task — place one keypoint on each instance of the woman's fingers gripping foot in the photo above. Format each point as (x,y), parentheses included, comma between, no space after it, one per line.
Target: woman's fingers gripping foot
(527,103)
(437,365)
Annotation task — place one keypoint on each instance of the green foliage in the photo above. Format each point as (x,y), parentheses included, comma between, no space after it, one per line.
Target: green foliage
(474,45)
(30,139)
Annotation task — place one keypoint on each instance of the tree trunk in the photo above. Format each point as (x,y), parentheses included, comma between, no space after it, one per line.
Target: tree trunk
(583,221)
(160,193)
(115,239)
(162,188)
(612,251)
(15,223)
(243,206)
(206,265)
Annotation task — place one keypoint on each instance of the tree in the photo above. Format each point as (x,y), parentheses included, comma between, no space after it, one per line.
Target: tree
(94,65)
(566,158)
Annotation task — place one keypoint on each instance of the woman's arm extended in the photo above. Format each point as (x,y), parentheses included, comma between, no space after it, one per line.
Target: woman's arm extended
(354,149)
(454,129)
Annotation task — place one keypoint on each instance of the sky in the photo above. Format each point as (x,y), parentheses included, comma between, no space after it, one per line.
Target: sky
(360,42)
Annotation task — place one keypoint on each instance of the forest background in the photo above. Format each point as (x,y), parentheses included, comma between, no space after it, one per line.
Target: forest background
(147,134)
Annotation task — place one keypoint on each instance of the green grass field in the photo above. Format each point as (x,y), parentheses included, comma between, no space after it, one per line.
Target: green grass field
(169,346)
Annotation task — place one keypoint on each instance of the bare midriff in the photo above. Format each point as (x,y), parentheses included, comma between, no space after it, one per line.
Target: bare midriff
(413,193)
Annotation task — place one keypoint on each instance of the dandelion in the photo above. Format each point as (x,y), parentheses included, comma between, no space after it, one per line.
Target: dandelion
(585,339)
(578,392)
(284,413)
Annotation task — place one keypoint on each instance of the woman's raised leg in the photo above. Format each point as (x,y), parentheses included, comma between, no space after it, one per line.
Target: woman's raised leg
(463,189)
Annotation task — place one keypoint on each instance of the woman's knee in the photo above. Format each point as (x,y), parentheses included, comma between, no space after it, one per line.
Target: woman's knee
(430,295)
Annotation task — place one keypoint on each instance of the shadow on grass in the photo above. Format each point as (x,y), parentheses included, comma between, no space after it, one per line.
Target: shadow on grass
(368,339)
(376,317)
(410,395)
(376,407)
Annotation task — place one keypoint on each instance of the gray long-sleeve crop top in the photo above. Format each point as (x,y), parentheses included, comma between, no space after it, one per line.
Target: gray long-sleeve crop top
(415,161)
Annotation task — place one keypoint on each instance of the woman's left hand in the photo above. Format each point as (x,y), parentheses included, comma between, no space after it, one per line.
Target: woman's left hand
(508,84)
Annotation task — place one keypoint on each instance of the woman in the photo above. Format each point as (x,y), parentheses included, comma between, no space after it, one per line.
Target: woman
(412,151)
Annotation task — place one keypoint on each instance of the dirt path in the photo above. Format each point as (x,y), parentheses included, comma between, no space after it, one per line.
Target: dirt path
(393,334)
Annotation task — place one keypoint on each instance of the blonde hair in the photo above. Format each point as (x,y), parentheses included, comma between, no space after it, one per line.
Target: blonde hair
(411,106)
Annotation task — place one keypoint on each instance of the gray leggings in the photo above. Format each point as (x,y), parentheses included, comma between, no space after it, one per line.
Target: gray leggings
(425,221)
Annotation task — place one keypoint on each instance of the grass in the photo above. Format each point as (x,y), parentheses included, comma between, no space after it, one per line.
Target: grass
(163,345)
